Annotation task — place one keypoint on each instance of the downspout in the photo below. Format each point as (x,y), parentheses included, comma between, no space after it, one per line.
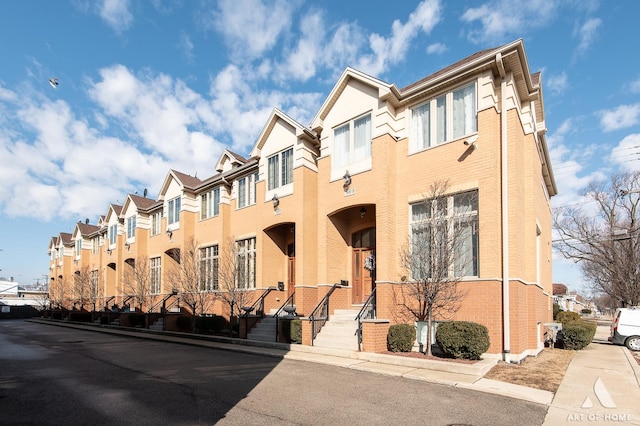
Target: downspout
(506,322)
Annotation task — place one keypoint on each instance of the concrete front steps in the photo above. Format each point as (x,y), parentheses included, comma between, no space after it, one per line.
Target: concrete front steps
(263,331)
(340,331)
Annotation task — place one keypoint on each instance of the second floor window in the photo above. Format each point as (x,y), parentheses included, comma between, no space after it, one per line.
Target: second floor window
(447,117)
(156,222)
(95,245)
(113,233)
(173,207)
(78,247)
(352,142)
(155,275)
(210,204)
(280,169)
(131,227)
(246,188)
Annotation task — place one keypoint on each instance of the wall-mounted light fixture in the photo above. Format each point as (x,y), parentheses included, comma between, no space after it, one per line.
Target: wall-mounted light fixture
(169,233)
(275,200)
(471,142)
(363,212)
(128,246)
(109,251)
(347,179)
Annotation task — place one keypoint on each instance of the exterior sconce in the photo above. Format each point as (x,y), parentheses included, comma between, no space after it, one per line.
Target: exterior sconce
(363,211)
(109,251)
(471,142)
(347,179)
(169,233)
(276,201)
(280,285)
(344,283)
(128,246)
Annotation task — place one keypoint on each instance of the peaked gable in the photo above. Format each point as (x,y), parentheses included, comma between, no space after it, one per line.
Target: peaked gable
(277,116)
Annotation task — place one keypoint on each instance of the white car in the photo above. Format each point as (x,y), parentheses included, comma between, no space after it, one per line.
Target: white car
(625,328)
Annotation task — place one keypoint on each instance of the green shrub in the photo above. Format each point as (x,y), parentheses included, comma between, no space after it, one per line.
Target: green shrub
(400,337)
(462,339)
(292,330)
(211,324)
(136,320)
(577,335)
(183,322)
(567,316)
(556,311)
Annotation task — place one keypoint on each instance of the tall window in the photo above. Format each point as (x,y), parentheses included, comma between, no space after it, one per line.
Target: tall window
(210,204)
(95,245)
(246,250)
(94,283)
(280,169)
(246,188)
(155,275)
(445,231)
(173,206)
(156,222)
(447,117)
(209,268)
(131,227)
(78,247)
(113,233)
(352,142)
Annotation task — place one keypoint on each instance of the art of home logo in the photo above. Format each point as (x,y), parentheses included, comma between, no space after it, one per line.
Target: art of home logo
(606,401)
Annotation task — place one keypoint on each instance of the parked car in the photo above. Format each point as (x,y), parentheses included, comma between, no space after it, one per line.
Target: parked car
(625,328)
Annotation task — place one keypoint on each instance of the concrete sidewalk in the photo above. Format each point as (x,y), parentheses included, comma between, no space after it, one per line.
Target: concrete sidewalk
(601,386)
(613,365)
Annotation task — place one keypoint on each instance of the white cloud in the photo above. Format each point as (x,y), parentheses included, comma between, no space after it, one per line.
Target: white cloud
(587,33)
(186,46)
(500,20)
(116,14)
(635,86)
(436,48)
(627,152)
(557,84)
(251,27)
(392,50)
(622,117)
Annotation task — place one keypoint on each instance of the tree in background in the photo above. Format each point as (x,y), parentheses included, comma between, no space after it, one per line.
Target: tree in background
(82,284)
(442,248)
(236,268)
(136,280)
(601,235)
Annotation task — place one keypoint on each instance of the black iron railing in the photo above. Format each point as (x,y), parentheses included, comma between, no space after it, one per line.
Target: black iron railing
(320,314)
(368,311)
(258,305)
(287,303)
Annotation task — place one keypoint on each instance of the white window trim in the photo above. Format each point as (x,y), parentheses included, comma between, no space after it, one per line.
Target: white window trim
(354,167)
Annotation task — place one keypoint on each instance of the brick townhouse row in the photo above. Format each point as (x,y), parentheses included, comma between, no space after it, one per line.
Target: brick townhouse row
(335,202)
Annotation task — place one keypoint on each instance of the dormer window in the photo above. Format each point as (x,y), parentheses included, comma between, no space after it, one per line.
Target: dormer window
(352,142)
(173,207)
(131,227)
(280,169)
(113,233)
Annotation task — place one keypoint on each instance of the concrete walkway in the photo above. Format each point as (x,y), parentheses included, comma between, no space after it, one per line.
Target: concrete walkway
(601,385)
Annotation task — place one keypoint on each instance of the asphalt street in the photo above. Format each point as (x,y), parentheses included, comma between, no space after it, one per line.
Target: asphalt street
(56,375)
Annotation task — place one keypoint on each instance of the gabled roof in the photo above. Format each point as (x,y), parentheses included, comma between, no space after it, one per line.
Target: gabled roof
(65,238)
(186,181)
(143,204)
(229,156)
(114,209)
(85,230)
(301,131)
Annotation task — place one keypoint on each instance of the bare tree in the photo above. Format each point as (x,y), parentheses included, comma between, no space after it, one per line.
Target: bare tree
(440,251)
(234,278)
(43,295)
(137,281)
(58,292)
(82,286)
(601,235)
(192,276)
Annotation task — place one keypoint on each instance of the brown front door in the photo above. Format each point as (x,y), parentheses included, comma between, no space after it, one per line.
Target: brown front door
(363,246)
(291,269)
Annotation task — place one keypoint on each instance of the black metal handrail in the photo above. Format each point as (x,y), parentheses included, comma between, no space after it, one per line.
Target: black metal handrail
(368,311)
(258,305)
(320,314)
(288,302)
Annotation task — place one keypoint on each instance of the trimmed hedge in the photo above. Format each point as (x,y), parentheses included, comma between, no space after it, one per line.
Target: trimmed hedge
(577,335)
(136,320)
(292,330)
(183,322)
(400,337)
(462,339)
(567,316)
(211,324)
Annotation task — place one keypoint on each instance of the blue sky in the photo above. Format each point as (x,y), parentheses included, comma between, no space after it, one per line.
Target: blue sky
(145,86)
